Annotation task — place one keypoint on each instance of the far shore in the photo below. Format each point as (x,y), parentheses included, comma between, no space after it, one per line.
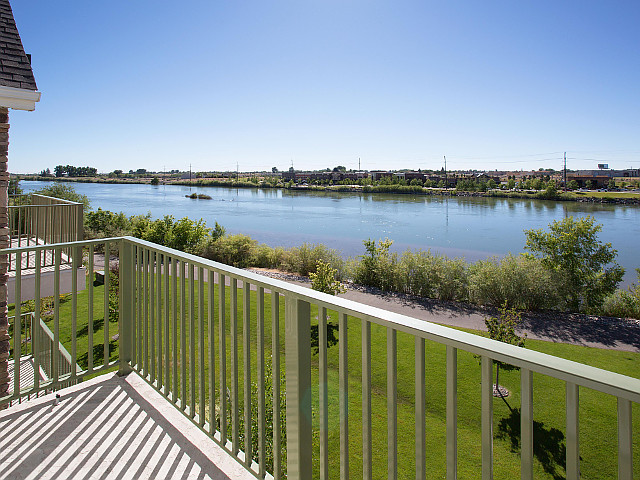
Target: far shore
(621,198)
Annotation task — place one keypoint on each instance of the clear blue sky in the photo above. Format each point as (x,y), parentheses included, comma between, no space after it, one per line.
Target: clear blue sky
(497,85)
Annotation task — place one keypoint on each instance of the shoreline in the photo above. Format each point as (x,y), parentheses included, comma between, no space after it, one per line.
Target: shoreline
(353,189)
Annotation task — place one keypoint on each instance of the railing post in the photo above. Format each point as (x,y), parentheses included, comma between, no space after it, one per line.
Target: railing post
(298,378)
(126,318)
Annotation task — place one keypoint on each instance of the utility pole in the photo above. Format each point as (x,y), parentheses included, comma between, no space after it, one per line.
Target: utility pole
(564,172)
(189,173)
(446,181)
(359,169)
(237,171)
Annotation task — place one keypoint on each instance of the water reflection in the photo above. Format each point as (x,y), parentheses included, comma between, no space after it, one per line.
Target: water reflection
(474,227)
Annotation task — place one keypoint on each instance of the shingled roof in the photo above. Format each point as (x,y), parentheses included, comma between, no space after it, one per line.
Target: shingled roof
(15,67)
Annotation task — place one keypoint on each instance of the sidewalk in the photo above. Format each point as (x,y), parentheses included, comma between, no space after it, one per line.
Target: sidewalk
(577,329)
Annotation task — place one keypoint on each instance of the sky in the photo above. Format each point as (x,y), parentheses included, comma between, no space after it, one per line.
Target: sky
(252,85)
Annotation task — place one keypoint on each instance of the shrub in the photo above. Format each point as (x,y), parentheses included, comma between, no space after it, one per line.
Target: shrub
(304,259)
(435,276)
(624,303)
(324,279)
(236,250)
(377,267)
(515,281)
(104,224)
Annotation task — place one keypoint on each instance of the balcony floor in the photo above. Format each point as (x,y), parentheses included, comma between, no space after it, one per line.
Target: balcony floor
(108,427)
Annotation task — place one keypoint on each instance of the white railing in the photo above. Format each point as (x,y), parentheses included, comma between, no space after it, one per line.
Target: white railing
(205,335)
(40,220)
(34,359)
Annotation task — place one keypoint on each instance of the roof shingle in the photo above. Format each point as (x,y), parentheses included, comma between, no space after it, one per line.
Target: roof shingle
(15,67)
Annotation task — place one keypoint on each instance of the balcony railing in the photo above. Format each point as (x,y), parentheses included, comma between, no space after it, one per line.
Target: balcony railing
(32,357)
(41,220)
(205,335)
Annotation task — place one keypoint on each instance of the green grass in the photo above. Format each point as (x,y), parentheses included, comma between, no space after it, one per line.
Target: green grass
(597,411)
(607,194)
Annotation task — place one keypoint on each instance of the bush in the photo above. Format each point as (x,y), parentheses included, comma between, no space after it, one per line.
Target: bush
(104,224)
(514,281)
(236,250)
(324,280)
(304,259)
(377,267)
(624,303)
(434,276)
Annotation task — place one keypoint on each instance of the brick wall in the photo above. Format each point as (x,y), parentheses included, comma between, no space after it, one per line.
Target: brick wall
(4,260)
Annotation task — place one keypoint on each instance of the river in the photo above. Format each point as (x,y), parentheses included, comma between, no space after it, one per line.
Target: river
(471,227)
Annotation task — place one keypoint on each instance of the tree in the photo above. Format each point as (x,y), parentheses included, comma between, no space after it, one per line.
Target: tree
(155,181)
(584,265)
(14,187)
(274,169)
(503,329)
(588,185)
(573,185)
(612,184)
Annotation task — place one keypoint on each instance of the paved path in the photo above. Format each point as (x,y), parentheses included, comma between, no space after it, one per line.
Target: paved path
(599,332)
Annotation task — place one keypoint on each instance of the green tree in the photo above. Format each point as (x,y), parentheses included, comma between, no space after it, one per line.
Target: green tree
(584,265)
(588,185)
(503,329)
(612,184)
(573,185)
(155,181)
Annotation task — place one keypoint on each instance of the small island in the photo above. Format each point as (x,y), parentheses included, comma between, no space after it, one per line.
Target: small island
(199,196)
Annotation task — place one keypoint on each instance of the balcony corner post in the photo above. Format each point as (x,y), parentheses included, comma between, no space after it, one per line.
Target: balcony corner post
(298,379)
(126,322)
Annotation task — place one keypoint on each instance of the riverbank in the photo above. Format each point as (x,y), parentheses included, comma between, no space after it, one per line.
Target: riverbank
(619,198)
(559,327)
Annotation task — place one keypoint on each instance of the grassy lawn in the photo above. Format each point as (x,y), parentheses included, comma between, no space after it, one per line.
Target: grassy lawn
(607,194)
(597,411)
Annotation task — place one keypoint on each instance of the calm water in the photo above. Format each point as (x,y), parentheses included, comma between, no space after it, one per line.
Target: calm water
(470,227)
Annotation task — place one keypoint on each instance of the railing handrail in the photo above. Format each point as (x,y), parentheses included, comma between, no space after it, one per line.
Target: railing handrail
(56,200)
(584,375)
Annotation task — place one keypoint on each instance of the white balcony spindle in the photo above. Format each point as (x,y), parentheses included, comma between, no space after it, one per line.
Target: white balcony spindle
(298,375)
(246,350)
(526,424)
(235,427)
(212,357)
(573,449)
(452,413)
(487,418)
(223,359)
(343,388)
(625,440)
(275,358)
(392,404)
(367,454)
(421,431)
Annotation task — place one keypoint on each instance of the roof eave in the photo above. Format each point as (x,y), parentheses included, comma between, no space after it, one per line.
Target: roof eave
(18,98)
